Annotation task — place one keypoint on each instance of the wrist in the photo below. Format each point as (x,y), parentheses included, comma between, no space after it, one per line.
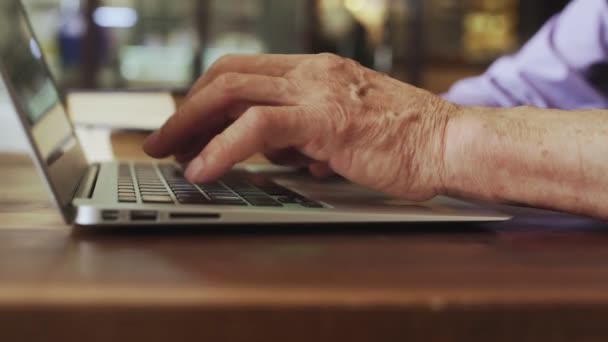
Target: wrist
(464,136)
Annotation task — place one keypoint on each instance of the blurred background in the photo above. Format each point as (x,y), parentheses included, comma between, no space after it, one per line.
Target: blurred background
(164,44)
(111,44)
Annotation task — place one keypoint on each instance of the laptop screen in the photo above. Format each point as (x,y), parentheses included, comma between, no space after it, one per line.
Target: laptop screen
(37,100)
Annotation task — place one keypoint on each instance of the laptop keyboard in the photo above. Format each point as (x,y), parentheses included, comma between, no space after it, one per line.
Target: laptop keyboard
(165,184)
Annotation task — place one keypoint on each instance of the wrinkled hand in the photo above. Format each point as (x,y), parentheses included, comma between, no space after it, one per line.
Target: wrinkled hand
(326,111)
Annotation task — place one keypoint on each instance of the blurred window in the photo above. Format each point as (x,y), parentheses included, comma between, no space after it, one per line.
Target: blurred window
(147,44)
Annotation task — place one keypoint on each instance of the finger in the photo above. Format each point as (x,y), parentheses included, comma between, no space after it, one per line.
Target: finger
(289,157)
(269,65)
(204,112)
(321,171)
(186,157)
(193,147)
(259,129)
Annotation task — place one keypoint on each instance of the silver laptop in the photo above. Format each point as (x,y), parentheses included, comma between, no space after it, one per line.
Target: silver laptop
(128,193)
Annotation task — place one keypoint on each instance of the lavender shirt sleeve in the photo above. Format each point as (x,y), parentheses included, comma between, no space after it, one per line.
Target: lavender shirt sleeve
(564,66)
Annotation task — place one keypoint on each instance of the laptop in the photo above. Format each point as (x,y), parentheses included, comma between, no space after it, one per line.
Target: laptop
(122,194)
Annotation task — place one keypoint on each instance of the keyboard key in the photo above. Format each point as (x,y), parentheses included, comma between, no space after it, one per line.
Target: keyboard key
(277,192)
(288,200)
(126,194)
(152,188)
(193,195)
(187,191)
(186,184)
(177,180)
(157,199)
(193,200)
(252,194)
(184,188)
(244,189)
(228,203)
(225,198)
(211,187)
(150,193)
(220,193)
(127,199)
(259,201)
(190,195)
(170,172)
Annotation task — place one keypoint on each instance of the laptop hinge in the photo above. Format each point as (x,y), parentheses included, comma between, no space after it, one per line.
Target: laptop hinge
(87,184)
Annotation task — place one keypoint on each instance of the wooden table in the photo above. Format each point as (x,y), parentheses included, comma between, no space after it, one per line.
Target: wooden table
(542,277)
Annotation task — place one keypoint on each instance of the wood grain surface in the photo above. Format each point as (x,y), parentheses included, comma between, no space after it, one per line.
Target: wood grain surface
(541,277)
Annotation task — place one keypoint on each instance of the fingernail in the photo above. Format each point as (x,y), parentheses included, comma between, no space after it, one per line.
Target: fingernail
(195,169)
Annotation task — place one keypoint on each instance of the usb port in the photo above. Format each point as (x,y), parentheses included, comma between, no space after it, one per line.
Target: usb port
(144,215)
(110,215)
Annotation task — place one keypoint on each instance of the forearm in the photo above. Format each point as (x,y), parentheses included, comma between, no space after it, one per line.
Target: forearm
(543,158)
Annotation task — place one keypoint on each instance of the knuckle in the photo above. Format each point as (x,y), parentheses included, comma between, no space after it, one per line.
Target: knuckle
(220,144)
(228,82)
(331,61)
(354,68)
(217,148)
(289,87)
(224,60)
(292,91)
(218,65)
(257,118)
(329,93)
(329,57)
